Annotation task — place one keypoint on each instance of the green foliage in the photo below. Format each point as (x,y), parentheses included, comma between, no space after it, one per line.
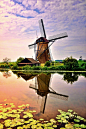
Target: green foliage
(70,77)
(61,68)
(26,67)
(52,63)
(82,65)
(51,68)
(36,68)
(4,65)
(15,66)
(68,64)
(44,68)
(47,63)
(71,63)
(19,60)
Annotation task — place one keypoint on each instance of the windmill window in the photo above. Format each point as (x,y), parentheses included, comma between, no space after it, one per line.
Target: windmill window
(41,40)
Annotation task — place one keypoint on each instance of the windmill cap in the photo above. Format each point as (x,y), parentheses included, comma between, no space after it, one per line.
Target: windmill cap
(42,39)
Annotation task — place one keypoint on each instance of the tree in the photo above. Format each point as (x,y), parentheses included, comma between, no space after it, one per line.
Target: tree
(52,63)
(6,60)
(71,63)
(47,63)
(19,60)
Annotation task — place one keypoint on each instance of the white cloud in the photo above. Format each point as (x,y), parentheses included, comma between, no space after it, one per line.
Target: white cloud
(58,16)
(28,13)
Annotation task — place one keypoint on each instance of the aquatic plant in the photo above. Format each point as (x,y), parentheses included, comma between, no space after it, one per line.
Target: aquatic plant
(22,118)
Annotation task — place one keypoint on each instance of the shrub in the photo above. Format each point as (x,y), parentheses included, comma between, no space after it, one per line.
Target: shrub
(44,68)
(26,67)
(36,68)
(47,63)
(51,68)
(4,65)
(71,63)
(19,60)
(15,66)
(52,63)
(61,68)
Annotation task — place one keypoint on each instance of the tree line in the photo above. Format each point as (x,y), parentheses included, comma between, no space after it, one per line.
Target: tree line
(68,63)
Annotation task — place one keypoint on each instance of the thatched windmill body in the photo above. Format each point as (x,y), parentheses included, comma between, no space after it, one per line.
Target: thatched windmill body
(41,45)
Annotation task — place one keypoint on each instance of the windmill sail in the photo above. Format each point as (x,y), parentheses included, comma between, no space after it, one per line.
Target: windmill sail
(42,30)
(31,45)
(58,36)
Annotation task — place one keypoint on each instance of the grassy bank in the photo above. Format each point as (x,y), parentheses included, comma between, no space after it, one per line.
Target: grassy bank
(54,66)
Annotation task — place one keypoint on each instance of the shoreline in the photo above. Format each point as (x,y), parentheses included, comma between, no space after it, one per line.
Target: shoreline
(55,71)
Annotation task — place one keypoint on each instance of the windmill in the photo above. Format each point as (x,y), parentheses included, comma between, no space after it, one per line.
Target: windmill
(42,88)
(42,45)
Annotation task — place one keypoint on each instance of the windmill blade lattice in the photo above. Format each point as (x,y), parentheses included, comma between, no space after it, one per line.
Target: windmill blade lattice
(42,30)
(58,36)
(42,53)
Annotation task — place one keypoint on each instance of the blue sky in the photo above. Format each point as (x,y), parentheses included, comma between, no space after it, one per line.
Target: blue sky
(19,23)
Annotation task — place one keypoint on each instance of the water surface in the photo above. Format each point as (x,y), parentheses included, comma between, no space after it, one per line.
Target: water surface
(46,93)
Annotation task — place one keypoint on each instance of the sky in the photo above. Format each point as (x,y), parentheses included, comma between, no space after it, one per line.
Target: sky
(19,27)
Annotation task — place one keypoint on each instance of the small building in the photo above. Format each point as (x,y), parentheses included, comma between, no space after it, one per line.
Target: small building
(60,61)
(29,61)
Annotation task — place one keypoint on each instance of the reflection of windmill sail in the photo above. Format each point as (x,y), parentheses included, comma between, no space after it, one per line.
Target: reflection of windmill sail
(43,104)
(59,96)
(43,89)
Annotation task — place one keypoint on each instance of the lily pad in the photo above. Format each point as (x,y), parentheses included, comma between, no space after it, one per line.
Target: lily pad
(1,126)
(41,119)
(19,127)
(70,110)
(76,120)
(55,126)
(60,121)
(69,126)
(83,126)
(52,120)
(76,125)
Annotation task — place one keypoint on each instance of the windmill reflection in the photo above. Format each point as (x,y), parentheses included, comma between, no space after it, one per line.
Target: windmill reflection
(42,87)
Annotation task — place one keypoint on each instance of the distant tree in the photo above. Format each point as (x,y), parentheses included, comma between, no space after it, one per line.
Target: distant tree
(47,63)
(19,60)
(6,60)
(71,63)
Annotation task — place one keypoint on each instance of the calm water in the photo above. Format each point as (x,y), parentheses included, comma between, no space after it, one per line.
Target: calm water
(46,93)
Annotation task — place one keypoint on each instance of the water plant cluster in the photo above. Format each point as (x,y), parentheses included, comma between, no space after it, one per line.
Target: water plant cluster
(70,120)
(12,117)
